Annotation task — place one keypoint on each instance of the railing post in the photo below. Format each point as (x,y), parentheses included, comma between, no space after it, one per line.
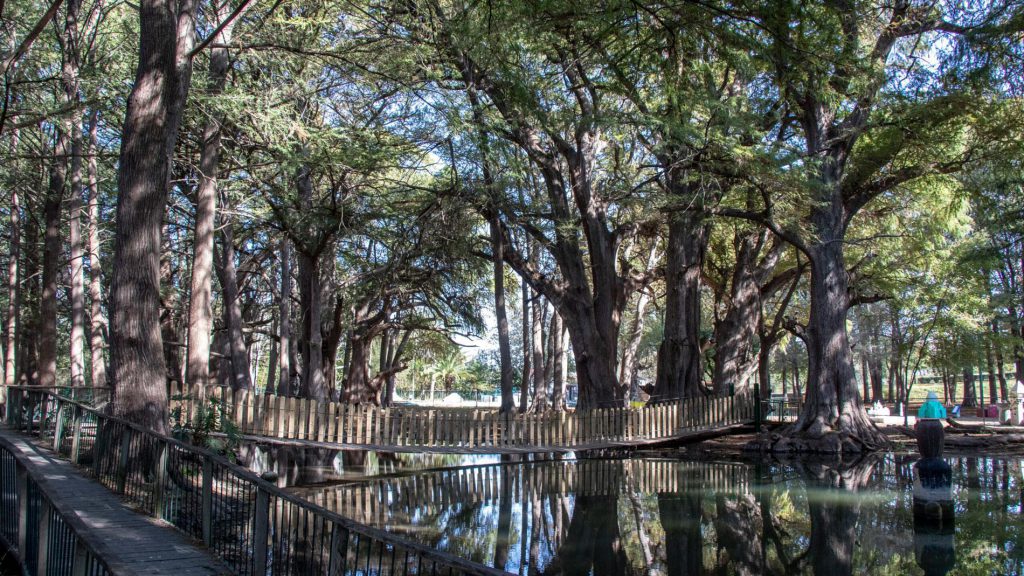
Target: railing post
(339,551)
(160,482)
(122,464)
(58,429)
(22,488)
(76,435)
(260,531)
(80,560)
(43,530)
(99,446)
(207,501)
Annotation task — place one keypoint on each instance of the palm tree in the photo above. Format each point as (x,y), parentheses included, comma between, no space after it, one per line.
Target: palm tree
(450,369)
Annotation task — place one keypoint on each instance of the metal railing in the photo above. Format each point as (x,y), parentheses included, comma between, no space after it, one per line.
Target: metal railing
(48,538)
(253,526)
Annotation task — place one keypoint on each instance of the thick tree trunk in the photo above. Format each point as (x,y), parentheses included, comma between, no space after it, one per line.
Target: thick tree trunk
(313,384)
(227,274)
(284,387)
(359,385)
(833,401)
(97,319)
(200,310)
(172,314)
(148,136)
(51,262)
(734,333)
(679,356)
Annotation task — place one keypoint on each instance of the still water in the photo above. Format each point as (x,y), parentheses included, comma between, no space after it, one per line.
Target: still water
(667,517)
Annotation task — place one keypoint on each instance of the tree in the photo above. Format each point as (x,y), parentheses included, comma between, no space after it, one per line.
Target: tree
(152,117)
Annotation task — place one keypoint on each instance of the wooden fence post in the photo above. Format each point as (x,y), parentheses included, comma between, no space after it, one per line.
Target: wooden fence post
(260,531)
(76,438)
(43,540)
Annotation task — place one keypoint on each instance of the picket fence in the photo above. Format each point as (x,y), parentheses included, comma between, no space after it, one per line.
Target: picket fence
(404,426)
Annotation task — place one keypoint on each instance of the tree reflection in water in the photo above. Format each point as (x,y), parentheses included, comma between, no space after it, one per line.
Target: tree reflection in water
(666,518)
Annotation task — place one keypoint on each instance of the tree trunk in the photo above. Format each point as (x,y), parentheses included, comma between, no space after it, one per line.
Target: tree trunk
(970,393)
(993,391)
(680,516)
(148,136)
(359,385)
(527,376)
(679,356)
(734,333)
(28,295)
(284,387)
(627,365)
(13,292)
(504,343)
(1004,391)
(97,320)
(310,294)
(833,400)
(273,360)
(540,392)
(70,73)
(558,338)
(227,274)
(51,262)
(200,313)
(77,249)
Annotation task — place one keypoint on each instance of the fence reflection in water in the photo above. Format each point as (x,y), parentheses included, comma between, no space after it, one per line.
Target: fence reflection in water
(252,525)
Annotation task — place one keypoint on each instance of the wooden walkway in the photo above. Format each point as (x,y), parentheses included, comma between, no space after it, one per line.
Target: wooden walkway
(128,542)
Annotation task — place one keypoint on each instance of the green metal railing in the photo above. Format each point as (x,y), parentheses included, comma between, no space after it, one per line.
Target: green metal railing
(253,526)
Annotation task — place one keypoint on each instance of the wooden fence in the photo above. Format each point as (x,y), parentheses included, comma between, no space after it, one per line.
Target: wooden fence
(333,422)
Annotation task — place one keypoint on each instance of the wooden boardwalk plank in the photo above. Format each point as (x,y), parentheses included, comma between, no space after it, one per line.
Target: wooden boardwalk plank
(128,542)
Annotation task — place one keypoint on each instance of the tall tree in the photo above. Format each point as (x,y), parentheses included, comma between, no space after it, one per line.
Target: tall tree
(149,134)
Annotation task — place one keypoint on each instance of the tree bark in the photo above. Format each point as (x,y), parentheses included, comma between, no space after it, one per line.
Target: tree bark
(993,391)
(97,319)
(1003,389)
(970,399)
(540,391)
(51,262)
(679,356)
(284,387)
(227,274)
(200,310)
(560,364)
(74,125)
(13,293)
(149,134)
(527,377)
(504,344)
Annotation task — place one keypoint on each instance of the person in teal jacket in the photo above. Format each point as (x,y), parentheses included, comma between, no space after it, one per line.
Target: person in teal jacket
(932,408)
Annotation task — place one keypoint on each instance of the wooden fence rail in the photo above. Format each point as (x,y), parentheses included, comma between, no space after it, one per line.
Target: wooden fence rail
(334,422)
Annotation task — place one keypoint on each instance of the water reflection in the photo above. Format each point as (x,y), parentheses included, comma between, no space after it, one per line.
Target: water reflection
(668,518)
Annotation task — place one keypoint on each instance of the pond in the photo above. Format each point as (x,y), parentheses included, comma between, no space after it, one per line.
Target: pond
(668,517)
